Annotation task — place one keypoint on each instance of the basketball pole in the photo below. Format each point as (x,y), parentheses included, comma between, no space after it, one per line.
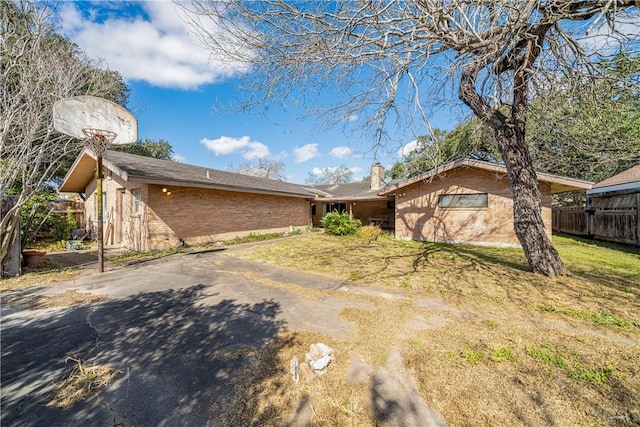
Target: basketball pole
(97,122)
(99,140)
(100,214)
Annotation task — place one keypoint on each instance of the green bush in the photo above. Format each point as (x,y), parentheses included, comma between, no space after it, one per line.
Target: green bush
(37,216)
(340,224)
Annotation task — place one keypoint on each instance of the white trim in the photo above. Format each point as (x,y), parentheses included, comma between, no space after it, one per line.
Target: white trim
(618,187)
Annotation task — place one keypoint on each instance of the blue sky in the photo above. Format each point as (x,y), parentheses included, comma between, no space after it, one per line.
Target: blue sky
(176,92)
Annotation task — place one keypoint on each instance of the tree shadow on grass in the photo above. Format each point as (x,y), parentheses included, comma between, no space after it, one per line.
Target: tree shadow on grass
(176,355)
(481,257)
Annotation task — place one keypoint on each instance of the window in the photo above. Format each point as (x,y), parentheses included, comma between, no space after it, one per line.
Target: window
(463,201)
(391,204)
(330,207)
(135,201)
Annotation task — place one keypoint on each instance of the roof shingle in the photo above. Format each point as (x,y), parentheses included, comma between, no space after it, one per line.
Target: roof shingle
(154,170)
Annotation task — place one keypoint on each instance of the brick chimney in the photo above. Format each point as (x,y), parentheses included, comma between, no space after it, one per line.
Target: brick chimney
(377,176)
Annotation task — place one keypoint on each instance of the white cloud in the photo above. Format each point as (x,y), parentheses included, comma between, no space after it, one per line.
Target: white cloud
(341,152)
(353,118)
(224,145)
(306,152)
(178,158)
(156,49)
(408,148)
(257,150)
(602,40)
(355,169)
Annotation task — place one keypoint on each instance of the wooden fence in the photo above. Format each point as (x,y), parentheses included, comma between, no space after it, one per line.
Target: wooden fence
(76,208)
(622,226)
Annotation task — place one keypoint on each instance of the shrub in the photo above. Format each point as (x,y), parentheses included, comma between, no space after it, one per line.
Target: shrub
(36,215)
(340,224)
(370,232)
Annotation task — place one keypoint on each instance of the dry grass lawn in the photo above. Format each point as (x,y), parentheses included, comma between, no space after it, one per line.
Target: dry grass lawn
(488,342)
(17,290)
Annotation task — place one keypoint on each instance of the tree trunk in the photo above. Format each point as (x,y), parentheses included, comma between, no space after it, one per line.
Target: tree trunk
(9,228)
(527,204)
(510,140)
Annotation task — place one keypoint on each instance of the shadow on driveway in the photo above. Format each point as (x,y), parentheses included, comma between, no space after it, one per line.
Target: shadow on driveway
(176,356)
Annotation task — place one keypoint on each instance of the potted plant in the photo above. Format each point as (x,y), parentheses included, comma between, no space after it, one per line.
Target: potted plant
(33,257)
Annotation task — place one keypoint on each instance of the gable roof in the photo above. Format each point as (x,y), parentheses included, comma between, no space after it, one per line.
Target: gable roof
(627,180)
(559,184)
(166,172)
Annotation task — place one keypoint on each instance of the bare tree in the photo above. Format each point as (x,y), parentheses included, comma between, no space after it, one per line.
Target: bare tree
(378,56)
(37,68)
(263,168)
(331,175)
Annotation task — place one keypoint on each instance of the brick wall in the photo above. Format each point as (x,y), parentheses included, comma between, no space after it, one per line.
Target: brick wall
(196,215)
(418,216)
(364,210)
(201,216)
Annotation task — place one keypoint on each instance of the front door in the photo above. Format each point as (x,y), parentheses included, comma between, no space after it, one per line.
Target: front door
(118,216)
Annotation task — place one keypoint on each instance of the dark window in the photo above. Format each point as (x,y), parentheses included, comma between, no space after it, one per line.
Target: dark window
(463,201)
(313,209)
(339,207)
(391,204)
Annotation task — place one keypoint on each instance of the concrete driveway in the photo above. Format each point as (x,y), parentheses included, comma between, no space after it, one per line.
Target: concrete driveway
(177,329)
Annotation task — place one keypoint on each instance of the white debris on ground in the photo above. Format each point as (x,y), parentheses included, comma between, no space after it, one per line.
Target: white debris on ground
(319,357)
(317,360)
(294,368)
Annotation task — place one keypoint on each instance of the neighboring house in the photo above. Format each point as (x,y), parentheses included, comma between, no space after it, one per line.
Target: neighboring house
(154,204)
(467,201)
(360,199)
(613,207)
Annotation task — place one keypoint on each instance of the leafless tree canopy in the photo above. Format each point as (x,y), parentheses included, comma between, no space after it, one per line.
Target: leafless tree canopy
(331,175)
(263,168)
(379,55)
(393,60)
(37,68)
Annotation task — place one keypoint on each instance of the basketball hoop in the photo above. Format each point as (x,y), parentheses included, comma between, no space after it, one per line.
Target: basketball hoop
(87,117)
(99,140)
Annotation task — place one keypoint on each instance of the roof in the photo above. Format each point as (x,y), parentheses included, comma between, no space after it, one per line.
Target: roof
(166,172)
(348,191)
(559,184)
(627,180)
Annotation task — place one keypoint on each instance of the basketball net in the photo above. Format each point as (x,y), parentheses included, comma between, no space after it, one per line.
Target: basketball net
(99,140)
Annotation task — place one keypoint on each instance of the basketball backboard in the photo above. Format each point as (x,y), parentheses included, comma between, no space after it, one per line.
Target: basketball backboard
(72,115)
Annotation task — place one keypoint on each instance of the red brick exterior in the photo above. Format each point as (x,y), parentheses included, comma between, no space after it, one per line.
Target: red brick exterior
(200,215)
(196,215)
(418,216)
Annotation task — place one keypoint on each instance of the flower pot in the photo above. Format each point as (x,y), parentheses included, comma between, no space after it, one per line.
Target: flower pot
(33,258)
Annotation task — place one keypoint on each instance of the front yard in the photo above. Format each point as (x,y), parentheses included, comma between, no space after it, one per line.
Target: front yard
(488,342)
